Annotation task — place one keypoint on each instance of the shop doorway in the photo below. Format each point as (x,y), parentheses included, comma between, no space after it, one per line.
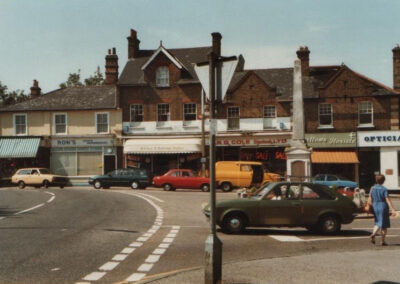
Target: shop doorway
(109,163)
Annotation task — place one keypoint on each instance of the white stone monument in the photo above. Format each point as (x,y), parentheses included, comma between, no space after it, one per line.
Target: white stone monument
(298,162)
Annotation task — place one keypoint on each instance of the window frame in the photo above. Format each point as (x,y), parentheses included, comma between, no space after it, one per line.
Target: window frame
(167,114)
(162,76)
(97,125)
(320,125)
(228,117)
(141,114)
(194,113)
(371,113)
(55,124)
(25,115)
(269,117)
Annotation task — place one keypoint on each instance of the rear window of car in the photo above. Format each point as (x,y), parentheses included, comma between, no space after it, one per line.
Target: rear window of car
(45,171)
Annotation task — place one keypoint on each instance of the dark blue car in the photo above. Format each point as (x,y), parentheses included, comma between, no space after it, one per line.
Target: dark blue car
(334,180)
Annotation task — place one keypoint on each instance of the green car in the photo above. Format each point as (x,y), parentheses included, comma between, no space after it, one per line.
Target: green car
(133,177)
(286,204)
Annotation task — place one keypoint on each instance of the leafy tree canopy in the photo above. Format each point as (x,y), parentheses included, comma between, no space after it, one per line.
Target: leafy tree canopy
(74,79)
(8,98)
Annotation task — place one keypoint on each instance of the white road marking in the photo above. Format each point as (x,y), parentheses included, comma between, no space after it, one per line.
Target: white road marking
(145,267)
(159,251)
(176,227)
(164,245)
(135,277)
(136,244)
(168,240)
(29,209)
(171,235)
(174,231)
(152,258)
(152,231)
(55,269)
(153,197)
(94,276)
(2,218)
(127,250)
(120,257)
(142,239)
(286,238)
(109,266)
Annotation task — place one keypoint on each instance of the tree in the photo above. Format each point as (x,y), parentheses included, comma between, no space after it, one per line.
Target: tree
(74,80)
(96,79)
(8,98)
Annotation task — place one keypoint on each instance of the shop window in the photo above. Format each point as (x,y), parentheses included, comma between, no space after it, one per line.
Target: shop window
(20,124)
(102,122)
(325,115)
(233,118)
(189,113)
(60,123)
(162,76)
(269,116)
(136,113)
(90,163)
(63,163)
(162,114)
(365,114)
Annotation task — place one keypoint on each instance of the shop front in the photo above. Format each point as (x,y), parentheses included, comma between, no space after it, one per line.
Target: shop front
(334,153)
(381,151)
(268,149)
(83,156)
(160,154)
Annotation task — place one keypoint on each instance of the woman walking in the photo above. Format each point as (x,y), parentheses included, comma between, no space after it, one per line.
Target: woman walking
(379,198)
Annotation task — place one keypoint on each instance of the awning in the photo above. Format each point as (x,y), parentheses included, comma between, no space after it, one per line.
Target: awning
(162,146)
(334,157)
(19,147)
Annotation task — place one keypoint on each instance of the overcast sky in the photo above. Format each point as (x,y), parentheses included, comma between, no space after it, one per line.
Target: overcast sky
(48,39)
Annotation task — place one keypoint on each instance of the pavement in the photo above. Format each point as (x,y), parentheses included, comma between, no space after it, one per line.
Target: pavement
(377,265)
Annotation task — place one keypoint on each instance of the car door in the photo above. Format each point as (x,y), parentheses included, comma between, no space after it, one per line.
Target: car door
(34,177)
(112,179)
(313,202)
(245,176)
(281,211)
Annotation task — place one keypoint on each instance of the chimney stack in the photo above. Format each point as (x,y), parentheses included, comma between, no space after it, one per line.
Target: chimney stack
(35,90)
(396,67)
(111,68)
(216,43)
(304,55)
(133,45)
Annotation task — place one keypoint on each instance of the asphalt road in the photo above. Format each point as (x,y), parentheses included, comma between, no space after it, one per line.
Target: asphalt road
(121,236)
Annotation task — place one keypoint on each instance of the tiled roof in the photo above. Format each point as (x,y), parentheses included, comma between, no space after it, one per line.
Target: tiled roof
(133,74)
(75,98)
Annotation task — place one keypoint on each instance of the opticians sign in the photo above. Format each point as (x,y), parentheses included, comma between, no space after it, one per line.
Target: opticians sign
(378,138)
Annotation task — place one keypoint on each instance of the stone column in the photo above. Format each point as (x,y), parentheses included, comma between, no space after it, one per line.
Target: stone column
(298,155)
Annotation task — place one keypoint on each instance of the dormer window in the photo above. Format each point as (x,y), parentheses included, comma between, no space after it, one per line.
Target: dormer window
(162,76)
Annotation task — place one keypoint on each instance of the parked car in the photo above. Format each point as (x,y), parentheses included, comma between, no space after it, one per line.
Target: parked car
(233,174)
(38,177)
(134,177)
(288,204)
(181,178)
(334,181)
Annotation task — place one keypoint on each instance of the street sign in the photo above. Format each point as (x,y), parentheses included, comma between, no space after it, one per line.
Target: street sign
(225,69)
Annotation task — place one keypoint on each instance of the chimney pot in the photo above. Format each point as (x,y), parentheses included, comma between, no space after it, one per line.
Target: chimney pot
(304,55)
(35,90)
(133,45)
(111,68)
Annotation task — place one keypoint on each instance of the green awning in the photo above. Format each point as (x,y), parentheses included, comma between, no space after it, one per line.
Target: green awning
(19,147)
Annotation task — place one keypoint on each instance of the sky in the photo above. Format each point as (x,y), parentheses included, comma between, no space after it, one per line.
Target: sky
(48,39)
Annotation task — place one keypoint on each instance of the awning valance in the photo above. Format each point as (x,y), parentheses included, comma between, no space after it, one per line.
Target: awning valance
(334,157)
(162,146)
(19,147)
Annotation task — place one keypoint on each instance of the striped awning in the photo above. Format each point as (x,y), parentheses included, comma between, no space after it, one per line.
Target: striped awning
(334,157)
(19,147)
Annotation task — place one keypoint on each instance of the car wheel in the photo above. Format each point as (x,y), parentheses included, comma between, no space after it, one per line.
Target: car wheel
(135,185)
(97,184)
(21,184)
(61,186)
(233,224)
(329,224)
(167,187)
(46,183)
(226,187)
(205,187)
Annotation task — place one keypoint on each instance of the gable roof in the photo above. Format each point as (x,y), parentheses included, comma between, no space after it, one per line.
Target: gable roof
(132,73)
(75,98)
(161,49)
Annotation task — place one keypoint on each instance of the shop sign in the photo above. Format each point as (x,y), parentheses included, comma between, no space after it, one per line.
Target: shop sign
(331,140)
(65,142)
(252,141)
(378,138)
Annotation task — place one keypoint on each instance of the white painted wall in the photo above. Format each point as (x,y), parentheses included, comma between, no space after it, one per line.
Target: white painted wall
(388,158)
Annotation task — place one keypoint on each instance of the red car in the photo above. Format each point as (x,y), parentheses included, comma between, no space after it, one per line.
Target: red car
(181,178)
